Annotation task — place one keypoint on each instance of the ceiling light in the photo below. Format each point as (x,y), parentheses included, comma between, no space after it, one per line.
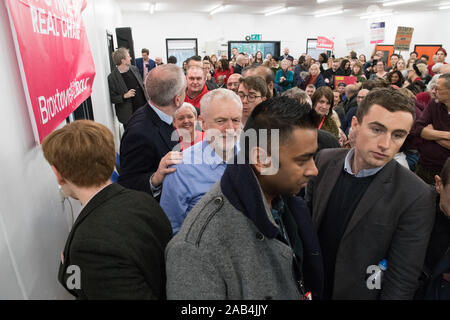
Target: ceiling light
(279,10)
(444,7)
(328,13)
(321,1)
(219,8)
(152,8)
(377,15)
(394,3)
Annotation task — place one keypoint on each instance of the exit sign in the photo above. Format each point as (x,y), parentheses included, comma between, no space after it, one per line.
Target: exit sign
(256,37)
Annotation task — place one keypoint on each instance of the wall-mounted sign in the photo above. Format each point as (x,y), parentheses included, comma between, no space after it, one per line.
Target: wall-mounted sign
(324,43)
(403,38)
(54,58)
(256,37)
(377,32)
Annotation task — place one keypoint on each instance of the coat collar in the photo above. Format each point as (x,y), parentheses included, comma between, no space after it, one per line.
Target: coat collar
(101,197)
(248,199)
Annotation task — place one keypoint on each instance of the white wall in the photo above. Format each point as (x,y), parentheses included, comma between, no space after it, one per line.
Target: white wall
(34,224)
(150,31)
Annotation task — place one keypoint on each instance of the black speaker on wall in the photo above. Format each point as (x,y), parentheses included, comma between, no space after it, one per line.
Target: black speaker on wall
(125,40)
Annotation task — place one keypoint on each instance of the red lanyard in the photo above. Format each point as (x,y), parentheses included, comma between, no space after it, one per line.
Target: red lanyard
(321,122)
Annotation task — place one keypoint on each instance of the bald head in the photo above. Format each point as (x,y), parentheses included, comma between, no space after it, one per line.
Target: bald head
(350,90)
(264,73)
(361,95)
(164,83)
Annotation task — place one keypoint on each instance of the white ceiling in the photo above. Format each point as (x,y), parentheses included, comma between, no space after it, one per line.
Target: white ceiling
(295,7)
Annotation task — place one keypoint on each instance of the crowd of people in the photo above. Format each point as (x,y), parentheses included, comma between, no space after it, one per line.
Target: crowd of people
(256,177)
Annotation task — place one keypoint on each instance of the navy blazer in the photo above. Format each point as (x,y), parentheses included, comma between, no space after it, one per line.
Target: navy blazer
(145,141)
(140,65)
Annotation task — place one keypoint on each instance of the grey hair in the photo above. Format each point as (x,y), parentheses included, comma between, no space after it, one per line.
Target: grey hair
(220,94)
(164,83)
(240,57)
(186,105)
(298,94)
(118,55)
(446,77)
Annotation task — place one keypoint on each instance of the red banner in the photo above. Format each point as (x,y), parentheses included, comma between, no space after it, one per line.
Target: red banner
(345,79)
(54,58)
(324,43)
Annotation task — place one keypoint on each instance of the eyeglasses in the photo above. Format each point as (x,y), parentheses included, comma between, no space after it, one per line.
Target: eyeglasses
(250,97)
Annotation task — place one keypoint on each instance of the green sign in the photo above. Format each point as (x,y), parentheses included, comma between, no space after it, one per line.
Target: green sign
(256,37)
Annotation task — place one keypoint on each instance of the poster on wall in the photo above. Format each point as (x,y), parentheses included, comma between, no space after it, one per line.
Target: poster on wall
(377,32)
(54,57)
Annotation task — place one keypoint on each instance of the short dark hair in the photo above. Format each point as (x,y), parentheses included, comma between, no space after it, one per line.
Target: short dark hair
(388,98)
(172,59)
(195,58)
(256,83)
(396,55)
(145,50)
(282,113)
(445,172)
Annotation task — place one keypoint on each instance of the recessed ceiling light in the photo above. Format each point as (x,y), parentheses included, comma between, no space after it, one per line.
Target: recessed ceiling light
(219,8)
(329,12)
(444,7)
(394,3)
(377,15)
(279,10)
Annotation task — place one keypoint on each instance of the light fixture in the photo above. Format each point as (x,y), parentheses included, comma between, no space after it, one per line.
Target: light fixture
(444,7)
(218,9)
(377,15)
(279,10)
(151,8)
(331,12)
(397,2)
(321,1)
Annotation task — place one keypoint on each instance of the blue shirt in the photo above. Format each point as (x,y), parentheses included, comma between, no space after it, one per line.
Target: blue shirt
(361,174)
(200,169)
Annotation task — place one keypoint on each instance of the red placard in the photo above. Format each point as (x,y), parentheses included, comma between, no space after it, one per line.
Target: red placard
(345,79)
(324,43)
(54,58)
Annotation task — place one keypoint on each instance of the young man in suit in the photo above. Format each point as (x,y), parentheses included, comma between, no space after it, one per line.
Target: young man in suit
(145,64)
(115,249)
(149,138)
(367,207)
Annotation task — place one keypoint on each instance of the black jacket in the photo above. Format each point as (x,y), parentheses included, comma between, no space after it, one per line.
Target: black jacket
(145,141)
(117,88)
(118,243)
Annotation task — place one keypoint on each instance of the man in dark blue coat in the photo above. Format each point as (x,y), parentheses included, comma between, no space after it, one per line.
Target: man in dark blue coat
(145,64)
(149,138)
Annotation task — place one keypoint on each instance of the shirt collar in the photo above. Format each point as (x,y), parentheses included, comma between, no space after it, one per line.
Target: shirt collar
(212,158)
(164,117)
(361,174)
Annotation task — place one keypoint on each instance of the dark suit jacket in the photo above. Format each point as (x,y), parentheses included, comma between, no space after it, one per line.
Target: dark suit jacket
(118,242)
(140,65)
(117,88)
(393,220)
(145,141)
